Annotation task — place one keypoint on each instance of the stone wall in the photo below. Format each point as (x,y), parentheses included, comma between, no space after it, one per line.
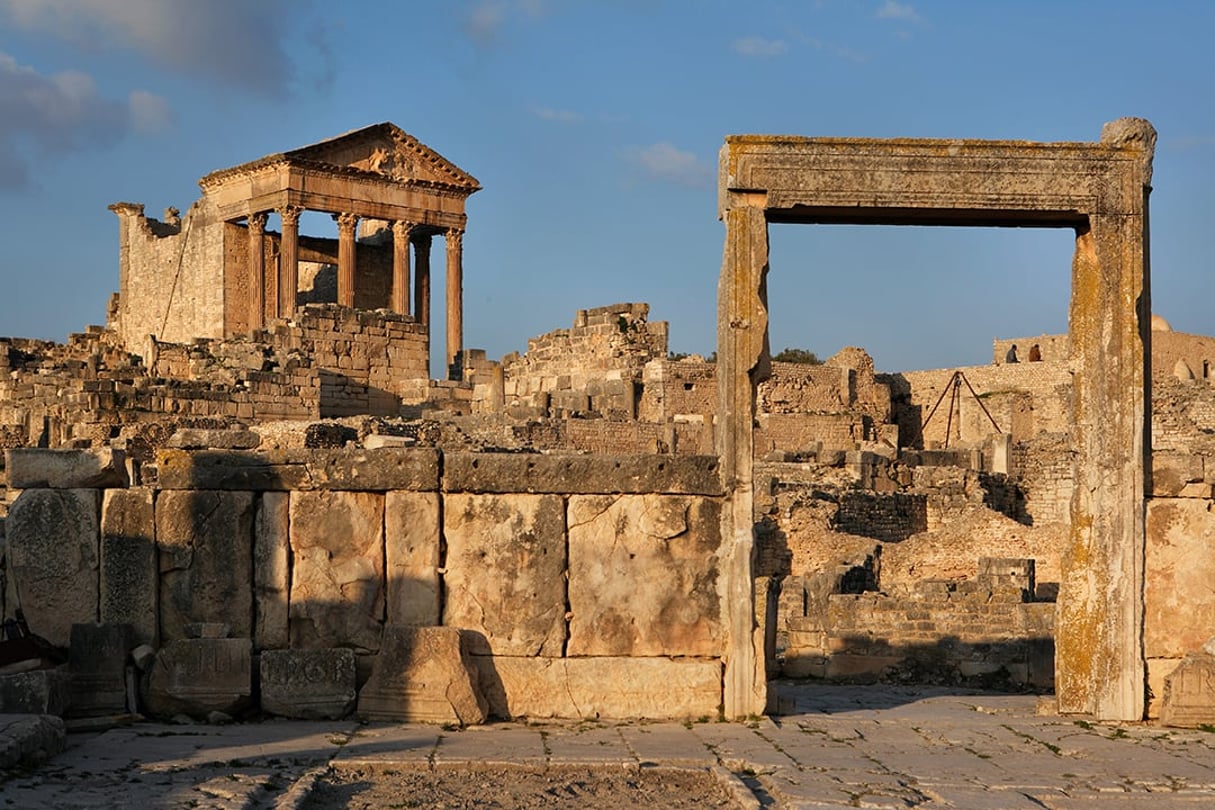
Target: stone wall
(586,587)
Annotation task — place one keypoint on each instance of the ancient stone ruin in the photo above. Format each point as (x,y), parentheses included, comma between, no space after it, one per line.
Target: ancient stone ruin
(234,498)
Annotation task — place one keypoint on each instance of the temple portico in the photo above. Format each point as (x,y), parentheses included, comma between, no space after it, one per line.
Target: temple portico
(379,174)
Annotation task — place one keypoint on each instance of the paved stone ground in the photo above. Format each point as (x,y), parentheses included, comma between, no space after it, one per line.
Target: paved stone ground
(832,747)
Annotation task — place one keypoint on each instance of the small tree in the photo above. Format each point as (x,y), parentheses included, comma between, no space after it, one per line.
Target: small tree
(802,356)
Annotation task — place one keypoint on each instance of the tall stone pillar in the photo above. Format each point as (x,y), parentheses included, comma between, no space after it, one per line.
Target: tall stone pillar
(400,266)
(257,270)
(421,282)
(288,268)
(345,287)
(455,294)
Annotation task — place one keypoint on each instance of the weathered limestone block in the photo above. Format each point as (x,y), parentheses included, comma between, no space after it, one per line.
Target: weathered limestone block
(1179,605)
(411,549)
(39,691)
(29,740)
(580,474)
(1189,693)
(337,594)
(38,468)
(97,662)
(505,572)
(643,575)
(199,676)
(52,559)
(1172,471)
(129,573)
(271,571)
(602,688)
(351,469)
(205,540)
(308,684)
(201,438)
(423,675)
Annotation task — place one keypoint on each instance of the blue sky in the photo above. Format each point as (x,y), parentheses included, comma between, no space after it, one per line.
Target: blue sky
(594,127)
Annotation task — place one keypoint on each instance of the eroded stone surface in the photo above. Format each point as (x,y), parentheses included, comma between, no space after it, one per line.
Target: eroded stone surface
(1180,613)
(423,675)
(97,662)
(271,570)
(308,684)
(337,593)
(505,473)
(643,575)
(129,572)
(200,676)
(205,540)
(604,688)
(34,468)
(52,559)
(505,571)
(1189,693)
(411,549)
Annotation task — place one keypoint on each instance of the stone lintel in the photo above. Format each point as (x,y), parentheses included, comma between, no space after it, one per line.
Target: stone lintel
(301,469)
(41,468)
(580,475)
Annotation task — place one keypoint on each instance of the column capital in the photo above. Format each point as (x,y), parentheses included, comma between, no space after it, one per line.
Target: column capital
(257,221)
(403,228)
(454,235)
(290,214)
(346,221)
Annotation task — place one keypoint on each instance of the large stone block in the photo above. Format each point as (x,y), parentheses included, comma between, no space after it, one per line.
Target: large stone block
(199,676)
(643,575)
(506,571)
(271,571)
(1189,693)
(356,469)
(308,684)
(205,540)
(97,662)
(423,675)
(129,572)
(52,559)
(39,691)
(601,688)
(411,550)
(30,739)
(1173,471)
(337,591)
(561,474)
(1179,605)
(38,468)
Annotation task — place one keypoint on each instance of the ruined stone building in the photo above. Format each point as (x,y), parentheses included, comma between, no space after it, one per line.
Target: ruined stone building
(707,523)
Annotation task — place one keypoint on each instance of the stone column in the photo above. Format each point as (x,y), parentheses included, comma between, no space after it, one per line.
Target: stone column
(400,266)
(455,294)
(421,281)
(257,270)
(288,268)
(345,287)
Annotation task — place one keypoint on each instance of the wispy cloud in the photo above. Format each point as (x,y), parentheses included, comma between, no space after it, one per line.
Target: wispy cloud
(45,115)
(758,47)
(485,21)
(892,10)
(666,163)
(1187,143)
(559,116)
(236,42)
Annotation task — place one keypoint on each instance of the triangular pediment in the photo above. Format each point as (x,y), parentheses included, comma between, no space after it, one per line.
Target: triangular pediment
(386,150)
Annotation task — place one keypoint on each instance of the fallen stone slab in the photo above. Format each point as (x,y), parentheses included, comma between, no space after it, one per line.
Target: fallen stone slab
(39,691)
(423,675)
(30,739)
(39,468)
(200,438)
(308,684)
(199,676)
(1189,693)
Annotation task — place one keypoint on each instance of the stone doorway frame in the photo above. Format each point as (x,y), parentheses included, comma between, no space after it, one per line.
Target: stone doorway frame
(1100,190)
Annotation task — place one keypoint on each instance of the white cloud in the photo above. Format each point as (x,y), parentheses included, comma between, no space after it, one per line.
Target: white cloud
(665,162)
(758,46)
(892,10)
(559,116)
(42,116)
(149,112)
(484,23)
(233,41)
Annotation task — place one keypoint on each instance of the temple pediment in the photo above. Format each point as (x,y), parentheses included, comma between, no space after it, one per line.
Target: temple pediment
(384,150)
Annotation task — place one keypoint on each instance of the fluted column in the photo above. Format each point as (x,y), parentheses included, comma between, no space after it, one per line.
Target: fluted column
(257,270)
(421,281)
(455,294)
(288,268)
(346,223)
(400,266)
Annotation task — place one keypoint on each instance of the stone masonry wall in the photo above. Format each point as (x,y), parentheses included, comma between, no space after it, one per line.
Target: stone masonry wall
(588,587)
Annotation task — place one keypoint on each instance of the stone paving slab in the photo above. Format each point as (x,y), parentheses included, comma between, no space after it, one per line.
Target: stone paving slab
(845,747)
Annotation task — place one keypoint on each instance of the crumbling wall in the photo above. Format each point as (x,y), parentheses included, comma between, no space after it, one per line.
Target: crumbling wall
(586,587)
